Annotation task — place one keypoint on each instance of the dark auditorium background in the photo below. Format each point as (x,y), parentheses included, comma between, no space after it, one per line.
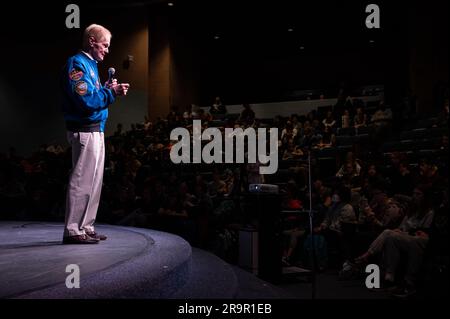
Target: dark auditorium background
(305,67)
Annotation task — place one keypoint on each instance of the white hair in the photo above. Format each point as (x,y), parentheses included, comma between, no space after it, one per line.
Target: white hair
(97,31)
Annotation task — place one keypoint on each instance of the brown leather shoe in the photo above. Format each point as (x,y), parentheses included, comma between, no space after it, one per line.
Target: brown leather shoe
(97,236)
(80,239)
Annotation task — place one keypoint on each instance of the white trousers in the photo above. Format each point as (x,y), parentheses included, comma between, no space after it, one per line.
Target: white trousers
(85,184)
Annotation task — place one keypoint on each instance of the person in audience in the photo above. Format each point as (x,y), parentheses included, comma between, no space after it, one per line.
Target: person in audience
(338,225)
(389,217)
(296,228)
(318,191)
(329,120)
(247,115)
(147,123)
(409,240)
(55,148)
(351,167)
(345,119)
(429,174)
(217,187)
(402,180)
(382,115)
(311,116)
(177,213)
(342,211)
(309,139)
(328,139)
(204,116)
(217,107)
(292,151)
(296,125)
(392,166)
(372,220)
(375,181)
(306,125)
(196,113)
(442,119)
(381,124)
(289,132)
(360,119)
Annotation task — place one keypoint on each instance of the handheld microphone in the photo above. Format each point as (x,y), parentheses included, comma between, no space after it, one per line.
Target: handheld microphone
(111,72)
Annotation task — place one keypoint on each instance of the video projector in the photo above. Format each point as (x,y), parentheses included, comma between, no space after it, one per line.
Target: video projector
(263,188)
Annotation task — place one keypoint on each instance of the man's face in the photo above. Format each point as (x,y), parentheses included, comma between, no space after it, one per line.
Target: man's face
(417,196)
(403,168)
(392,208)
(99,49)
(424,167)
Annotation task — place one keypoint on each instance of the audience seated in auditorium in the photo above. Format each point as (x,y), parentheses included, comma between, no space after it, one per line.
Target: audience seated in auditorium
(141,181)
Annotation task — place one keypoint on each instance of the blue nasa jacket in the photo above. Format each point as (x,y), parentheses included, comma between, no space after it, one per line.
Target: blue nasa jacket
(85,100)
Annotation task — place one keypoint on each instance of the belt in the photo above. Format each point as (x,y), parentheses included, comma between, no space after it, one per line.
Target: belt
(83,127)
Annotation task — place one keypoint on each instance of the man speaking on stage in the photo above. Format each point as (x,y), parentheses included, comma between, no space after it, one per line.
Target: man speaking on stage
(85,108)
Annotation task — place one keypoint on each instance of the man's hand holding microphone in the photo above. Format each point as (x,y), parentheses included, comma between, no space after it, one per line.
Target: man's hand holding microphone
(119,89)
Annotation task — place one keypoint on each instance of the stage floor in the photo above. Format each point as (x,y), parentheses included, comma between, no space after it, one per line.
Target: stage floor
(131,263)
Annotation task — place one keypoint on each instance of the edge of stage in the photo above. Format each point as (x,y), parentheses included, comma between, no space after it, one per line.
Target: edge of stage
(133,263)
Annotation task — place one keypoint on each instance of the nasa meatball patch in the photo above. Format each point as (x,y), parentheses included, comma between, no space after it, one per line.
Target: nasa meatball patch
(81,88)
